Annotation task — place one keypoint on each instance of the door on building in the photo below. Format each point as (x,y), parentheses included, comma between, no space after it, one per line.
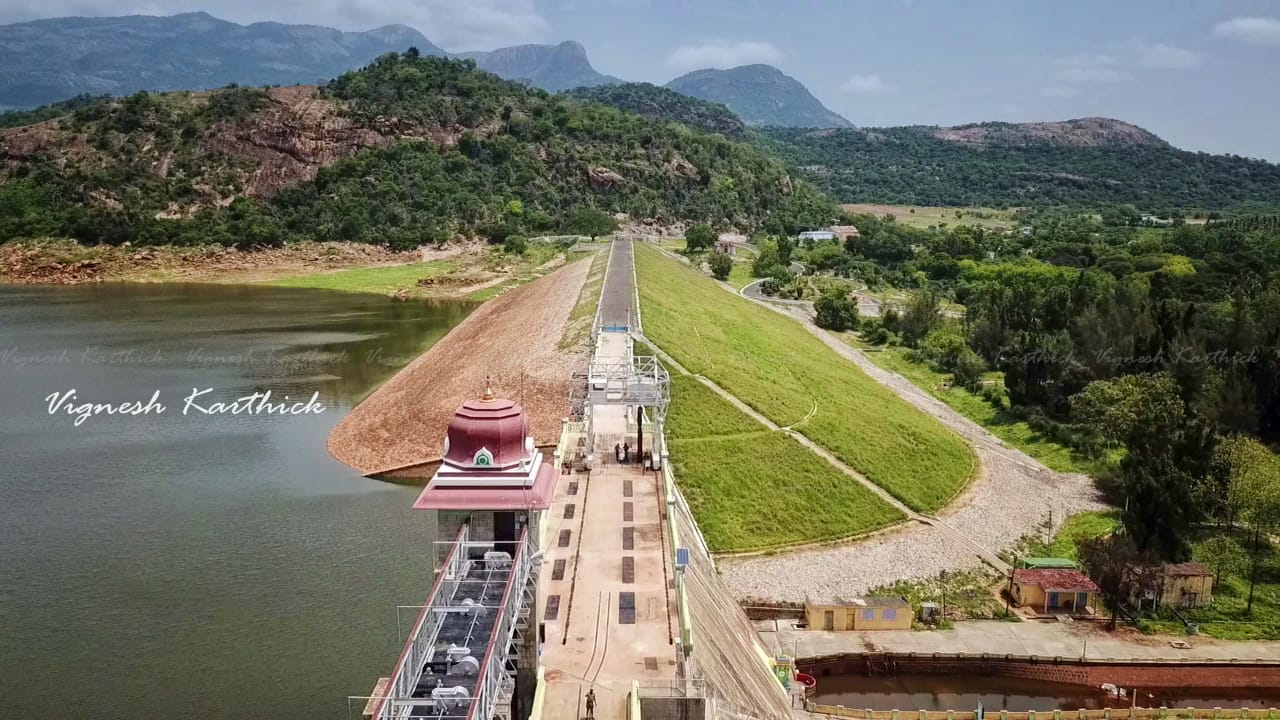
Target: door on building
(1053,599)
(829,620)
(1082,601)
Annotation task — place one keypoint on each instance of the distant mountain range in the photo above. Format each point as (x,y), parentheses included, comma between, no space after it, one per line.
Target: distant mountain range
(47,61)
(50,60)
(760,95)
(550,67)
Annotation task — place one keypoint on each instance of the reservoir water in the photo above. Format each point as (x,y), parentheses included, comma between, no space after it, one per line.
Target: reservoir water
(200,566)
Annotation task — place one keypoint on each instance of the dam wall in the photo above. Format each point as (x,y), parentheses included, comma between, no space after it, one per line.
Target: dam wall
(722,656)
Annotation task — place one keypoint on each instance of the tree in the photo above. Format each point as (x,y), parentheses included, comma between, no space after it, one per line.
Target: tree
(721,265)
(1118,409)
(1110,561)
(699,238)
(1252,475)
(1158,478)
(592,222)
(922,314)
(835,310)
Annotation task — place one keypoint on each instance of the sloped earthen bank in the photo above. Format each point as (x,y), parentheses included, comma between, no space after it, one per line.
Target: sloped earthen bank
(513,340)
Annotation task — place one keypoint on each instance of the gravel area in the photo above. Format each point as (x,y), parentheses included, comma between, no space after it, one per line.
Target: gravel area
(1011,498)
(513,339)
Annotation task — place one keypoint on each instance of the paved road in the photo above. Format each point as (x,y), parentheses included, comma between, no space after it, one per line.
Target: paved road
(867,306)
(617,298)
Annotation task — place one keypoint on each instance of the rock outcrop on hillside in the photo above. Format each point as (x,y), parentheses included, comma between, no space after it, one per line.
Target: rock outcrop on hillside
(1081,132)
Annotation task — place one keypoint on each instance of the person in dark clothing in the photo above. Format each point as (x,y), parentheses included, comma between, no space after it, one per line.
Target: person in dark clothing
(591,704)
(617,452)
(626,453)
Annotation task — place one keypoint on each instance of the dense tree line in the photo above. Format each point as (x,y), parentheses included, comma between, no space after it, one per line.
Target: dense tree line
(1150,345)
(663,104)
(909,165)
(523,162)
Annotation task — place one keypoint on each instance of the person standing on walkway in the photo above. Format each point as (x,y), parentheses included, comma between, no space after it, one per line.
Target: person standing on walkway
(626,453)
(617,452)
(591,704)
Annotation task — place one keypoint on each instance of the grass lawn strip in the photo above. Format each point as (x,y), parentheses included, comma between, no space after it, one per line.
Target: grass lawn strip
(781,371)
(755,489)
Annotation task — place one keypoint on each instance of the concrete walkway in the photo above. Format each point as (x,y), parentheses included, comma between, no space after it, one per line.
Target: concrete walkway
(1041,639)
(616,614)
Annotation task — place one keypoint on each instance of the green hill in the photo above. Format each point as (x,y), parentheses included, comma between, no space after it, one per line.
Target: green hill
(1089,162)
(408,150)
(660,103)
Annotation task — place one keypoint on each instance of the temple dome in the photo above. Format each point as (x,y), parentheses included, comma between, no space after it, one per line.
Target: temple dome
(488,433)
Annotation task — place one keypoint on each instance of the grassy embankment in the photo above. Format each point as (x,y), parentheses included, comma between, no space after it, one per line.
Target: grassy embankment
(1226,552)
(1002,423)
(577,328)
(382,280)
(751,488)
(739,275)
(791,377)
(476,276)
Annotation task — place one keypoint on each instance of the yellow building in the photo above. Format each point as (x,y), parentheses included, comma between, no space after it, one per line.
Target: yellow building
(1053,590)
(1185,585)
(860,613)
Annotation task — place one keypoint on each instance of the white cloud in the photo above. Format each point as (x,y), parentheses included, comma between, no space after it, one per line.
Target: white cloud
(864,84)
(723,54)
(1058,91)
(1089,59)
(1260,30)
(1160,55)
(454,25)
(1093,74)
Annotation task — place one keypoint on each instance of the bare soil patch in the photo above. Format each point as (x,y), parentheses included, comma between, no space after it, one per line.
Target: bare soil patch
(513,339)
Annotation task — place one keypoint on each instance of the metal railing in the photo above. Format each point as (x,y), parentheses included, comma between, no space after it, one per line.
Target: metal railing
(494,683)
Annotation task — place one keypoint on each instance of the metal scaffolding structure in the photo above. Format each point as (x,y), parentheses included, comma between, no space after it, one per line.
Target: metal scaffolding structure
(640,382)
(458,661)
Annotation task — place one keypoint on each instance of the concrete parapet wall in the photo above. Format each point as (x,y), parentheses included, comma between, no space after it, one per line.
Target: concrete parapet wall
(1124,673)
(1105,714)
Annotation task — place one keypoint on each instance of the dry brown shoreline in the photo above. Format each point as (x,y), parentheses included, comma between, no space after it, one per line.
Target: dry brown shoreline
(65,262)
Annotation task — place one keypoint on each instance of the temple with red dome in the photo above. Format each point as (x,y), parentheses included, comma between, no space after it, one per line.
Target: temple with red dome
(490,462)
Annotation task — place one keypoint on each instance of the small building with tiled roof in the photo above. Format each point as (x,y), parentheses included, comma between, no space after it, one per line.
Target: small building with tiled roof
(857,613)
(1050,590)
(1185,585)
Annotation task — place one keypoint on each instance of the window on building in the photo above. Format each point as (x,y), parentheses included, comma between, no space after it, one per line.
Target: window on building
(868,613)
(889,614)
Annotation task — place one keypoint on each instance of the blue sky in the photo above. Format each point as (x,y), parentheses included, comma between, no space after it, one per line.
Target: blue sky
(1204,75)
(1189,70)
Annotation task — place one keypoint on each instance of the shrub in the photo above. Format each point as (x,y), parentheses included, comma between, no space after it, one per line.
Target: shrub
(721,265)
(835,311)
